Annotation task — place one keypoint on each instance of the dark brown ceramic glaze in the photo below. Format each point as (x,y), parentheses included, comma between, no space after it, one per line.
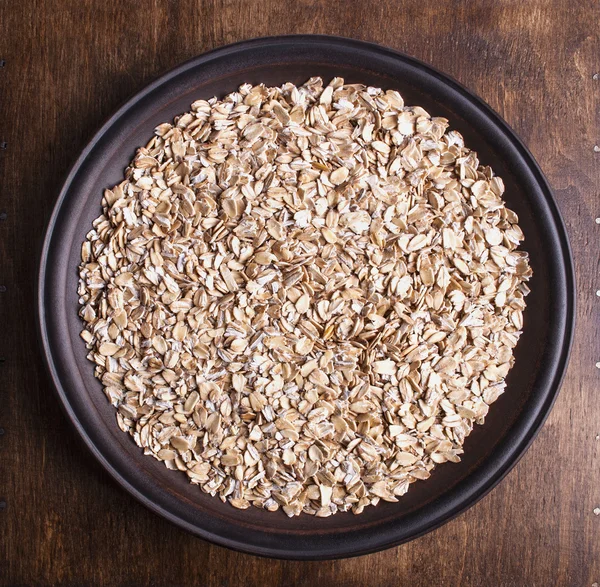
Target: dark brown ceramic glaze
(490,452)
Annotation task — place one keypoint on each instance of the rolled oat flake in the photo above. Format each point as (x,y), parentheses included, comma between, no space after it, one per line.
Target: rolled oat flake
(304,297)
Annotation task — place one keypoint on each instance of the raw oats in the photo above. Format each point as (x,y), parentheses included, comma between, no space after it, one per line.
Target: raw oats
(303,297)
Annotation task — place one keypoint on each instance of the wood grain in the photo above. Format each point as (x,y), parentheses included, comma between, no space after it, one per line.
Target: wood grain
(68,65)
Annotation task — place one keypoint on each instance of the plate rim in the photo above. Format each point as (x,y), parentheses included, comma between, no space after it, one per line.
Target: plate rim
(498,470)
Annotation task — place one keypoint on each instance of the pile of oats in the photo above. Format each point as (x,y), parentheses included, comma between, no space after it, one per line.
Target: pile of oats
(304,297)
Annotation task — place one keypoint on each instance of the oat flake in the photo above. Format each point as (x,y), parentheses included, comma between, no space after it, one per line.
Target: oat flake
(304,297)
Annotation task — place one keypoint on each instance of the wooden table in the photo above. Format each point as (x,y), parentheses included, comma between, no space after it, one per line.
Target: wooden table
(68,64)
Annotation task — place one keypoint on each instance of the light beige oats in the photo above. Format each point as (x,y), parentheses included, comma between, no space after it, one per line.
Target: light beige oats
(304,297)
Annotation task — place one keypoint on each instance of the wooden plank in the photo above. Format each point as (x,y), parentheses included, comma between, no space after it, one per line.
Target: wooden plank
(68,65)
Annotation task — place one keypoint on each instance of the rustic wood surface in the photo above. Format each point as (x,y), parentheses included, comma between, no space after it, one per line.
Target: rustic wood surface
(68,64)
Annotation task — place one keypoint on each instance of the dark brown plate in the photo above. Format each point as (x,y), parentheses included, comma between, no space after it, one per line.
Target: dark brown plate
(491,450)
